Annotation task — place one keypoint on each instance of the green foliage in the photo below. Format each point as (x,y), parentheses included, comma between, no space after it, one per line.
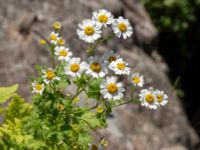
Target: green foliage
(178,25)
(7,92)
(11,131)
(94,89)
(17,108)
(90,120)
(171,15)
(58,122)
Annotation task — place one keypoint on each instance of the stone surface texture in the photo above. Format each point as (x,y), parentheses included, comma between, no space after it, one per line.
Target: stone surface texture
(130,127)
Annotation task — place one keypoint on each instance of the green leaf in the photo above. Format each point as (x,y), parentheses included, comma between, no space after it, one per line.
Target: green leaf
(7,92)
(90,119)
(94,89)
(84,139)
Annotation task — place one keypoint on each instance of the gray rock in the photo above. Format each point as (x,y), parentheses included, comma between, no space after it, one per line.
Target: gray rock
(132,127)
(178,147)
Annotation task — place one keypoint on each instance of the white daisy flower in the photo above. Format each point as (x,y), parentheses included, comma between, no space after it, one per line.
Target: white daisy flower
(103,16)
(137,79)
(54,38)
(120,67)
(111,89)
(161,97)
(63,53)
(122,27)
(89,30)
(75,67)
(37,87)
(148,98)
(49,76)
(110,56)
(96,67)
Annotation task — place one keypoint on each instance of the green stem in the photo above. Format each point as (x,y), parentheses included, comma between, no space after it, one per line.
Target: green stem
(77,93)
(83,120)
(90,50)
(83,89)
(132,92)
(91,108)
(52,47)
(53,61)
(102,40)
(52,87)
(127,102)
(107,105)
(99,41)
(59,67)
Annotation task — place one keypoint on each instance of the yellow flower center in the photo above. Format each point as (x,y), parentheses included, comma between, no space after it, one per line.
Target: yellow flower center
(121,66)
(63,53)
(96,67)
(61,41)
(74,67)
(76,100)
(99,109)
(111,58)
(103,18)
(75,127)
(89,30)
(112,88)
(57,25)
(75,146)
(104,142)
(38,87)
(149,98)
(53,37)
(50,74)
(60,107)
(122,27)
(160,98)
(42,42)
(136,80)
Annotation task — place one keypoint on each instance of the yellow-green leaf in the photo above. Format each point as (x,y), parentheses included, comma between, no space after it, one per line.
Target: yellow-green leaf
(90,119)
(7,92)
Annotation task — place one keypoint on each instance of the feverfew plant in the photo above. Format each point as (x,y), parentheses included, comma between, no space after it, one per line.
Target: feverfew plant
(64,121)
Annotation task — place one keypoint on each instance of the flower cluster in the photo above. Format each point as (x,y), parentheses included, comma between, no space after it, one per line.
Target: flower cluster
(153,98)
(96,77)
(90,30)
(99,67)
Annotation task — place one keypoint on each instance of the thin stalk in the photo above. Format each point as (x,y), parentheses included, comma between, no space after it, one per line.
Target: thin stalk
(78,93)
(101,41)
(132,92)
(59,67)
(91,108)
(90,50)
(41,36)
(83,89)
(127,102)
(53,59)
(82,120)
(85,122)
